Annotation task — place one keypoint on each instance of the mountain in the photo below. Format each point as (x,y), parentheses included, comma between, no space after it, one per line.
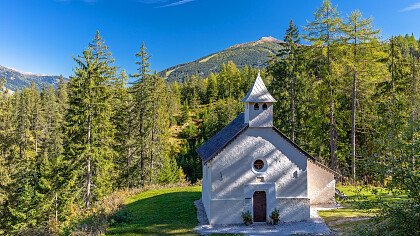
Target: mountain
(17,80)
(254,54)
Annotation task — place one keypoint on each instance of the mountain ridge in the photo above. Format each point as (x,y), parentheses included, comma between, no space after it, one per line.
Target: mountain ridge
(17,80)
(255,54)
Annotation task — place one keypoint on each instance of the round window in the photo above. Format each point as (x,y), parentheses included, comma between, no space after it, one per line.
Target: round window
(258,164)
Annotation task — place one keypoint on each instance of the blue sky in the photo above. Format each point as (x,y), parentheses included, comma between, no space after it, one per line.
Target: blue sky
(41,36)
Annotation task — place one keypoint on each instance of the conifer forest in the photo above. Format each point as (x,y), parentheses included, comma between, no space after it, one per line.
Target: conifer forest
(347,95)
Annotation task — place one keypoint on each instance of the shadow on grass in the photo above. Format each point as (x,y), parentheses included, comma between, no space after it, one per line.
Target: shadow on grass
(167,213)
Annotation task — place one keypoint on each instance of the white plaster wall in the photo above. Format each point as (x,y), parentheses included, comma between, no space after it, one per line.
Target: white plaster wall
(321,185)
(206,188)
(293,209)
(259,118)
(226,211)
(232,169)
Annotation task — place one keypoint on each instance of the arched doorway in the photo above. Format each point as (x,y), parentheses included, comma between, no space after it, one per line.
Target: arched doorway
(259,202)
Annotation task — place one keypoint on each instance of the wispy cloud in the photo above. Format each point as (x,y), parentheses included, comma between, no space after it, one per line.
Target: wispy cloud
(152,1)
(178,3)
(412,7)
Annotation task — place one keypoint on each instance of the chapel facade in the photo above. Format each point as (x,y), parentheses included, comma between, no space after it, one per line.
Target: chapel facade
(251,166)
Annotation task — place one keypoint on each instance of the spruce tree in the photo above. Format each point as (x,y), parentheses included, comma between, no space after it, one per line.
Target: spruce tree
(141,111)
(285,71)
(90,129)
(211,88)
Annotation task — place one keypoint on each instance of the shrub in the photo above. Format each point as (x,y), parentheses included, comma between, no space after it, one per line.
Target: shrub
(399,218)
(275,214)
(247,217)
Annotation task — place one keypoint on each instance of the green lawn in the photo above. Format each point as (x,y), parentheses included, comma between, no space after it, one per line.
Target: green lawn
(158,212)
(171,211)
(361,204)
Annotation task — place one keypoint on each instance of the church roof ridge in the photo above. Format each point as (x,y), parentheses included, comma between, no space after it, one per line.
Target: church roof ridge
(258,92)
(221,139)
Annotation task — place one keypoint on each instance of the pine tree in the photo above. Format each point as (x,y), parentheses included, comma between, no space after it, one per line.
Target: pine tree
(285,70)
(89,126)
(7,148)
(123,119)
(211,88)
(140,96)
(159,123)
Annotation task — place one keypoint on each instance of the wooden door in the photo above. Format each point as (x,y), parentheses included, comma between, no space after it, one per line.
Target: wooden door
(259,202)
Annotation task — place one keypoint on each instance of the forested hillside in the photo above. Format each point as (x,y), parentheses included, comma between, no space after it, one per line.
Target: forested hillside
(255,54)
(350,98)
(16,80)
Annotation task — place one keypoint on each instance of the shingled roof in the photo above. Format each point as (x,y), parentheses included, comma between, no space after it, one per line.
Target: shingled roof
(216,143)
(221,139)
(258,92)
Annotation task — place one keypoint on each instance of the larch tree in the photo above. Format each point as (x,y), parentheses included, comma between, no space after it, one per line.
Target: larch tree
(359,33)
(324,32)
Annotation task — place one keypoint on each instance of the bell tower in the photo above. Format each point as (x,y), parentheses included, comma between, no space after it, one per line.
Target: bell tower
(259,105)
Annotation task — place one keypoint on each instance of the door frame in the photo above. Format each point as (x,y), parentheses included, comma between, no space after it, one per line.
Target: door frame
(265,202)
(270,193)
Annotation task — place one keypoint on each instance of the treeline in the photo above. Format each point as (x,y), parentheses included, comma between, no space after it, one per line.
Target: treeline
(349,98)
(64,149)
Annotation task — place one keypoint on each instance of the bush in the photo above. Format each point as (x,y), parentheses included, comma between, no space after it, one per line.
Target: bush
(400,218)
(189,132)
(275,214)
(247,217)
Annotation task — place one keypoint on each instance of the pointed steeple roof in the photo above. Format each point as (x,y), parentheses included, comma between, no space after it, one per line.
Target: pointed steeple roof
(258,92)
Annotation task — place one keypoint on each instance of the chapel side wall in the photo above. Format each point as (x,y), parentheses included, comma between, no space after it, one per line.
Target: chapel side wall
(206,188)
(321,185)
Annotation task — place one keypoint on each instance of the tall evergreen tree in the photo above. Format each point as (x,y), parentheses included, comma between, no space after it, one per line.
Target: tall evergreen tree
(89,126)
(286,72)
(140,96)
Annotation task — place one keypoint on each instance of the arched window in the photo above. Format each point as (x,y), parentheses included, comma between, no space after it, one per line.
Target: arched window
(264,106)
(256,106)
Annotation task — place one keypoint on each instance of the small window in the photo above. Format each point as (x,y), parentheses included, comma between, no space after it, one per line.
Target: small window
(256,106)
(264,106)
(258,164)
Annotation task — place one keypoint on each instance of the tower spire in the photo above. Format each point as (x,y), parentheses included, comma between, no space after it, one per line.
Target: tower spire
(259,105)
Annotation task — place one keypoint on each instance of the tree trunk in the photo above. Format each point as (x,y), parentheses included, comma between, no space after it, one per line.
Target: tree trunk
(129,153)
(353,108)
(353,127)
(333,134)
(393,114)
(413,106)
(56,208)
(292,107)
(142,176)
(88,171)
